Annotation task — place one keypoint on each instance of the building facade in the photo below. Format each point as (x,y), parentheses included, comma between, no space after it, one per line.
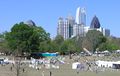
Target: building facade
(69,27)
(78,30)
(65,27)
(81,16)
(105,32)
(60,29)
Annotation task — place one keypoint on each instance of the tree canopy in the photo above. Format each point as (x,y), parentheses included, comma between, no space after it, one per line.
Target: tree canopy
(93,39)
(24,38)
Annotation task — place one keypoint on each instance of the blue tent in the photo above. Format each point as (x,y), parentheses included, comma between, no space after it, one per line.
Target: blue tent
(49,54)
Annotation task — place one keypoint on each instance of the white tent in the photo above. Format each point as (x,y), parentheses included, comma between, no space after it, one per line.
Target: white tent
(118,51)
(106,51)
(74,65)
(107,64)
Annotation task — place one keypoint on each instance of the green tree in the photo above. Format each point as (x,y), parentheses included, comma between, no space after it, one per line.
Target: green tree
(3,44)
(58,42)
(52,45)
(59,39)
(111,44)
(24,38)
(68,47)
(87,44)
(78,43)
(93,39)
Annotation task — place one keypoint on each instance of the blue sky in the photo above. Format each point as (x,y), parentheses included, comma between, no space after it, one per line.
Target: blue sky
(45,13)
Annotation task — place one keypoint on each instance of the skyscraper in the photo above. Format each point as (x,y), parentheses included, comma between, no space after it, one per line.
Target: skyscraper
(30,23)
(60,29)
(71,22)
(78,30)
(81,16)
(70,27)
(95,23)
(65,27)
(78,18)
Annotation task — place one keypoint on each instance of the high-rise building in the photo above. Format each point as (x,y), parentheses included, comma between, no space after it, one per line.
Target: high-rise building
(30,23)
(70,28)
(86,29)
(65,28)
(71,22)
(95,23)
(78,30)
(75,30)
(78,16)
(106,32)
(60,29)
(81,16)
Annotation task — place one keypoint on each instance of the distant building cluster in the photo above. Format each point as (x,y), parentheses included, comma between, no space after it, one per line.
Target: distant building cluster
(70,27)
(30,23)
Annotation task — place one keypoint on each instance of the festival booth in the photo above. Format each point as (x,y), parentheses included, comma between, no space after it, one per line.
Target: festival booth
(50,60)
(75,65)
(117,51)
(49,54)
(108,64)
(116,66)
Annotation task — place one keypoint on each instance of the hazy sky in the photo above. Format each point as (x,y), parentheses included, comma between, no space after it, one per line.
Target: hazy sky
(45,13)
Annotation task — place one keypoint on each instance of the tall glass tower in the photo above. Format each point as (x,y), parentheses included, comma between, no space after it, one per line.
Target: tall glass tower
(81,16)
(78,16)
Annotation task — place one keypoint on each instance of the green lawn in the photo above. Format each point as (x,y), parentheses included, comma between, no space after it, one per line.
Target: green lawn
(64,70)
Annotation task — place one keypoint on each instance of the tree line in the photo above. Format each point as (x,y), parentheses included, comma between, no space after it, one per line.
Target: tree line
(28,39)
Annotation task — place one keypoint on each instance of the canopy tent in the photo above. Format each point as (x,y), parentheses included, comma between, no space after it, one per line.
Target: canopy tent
(118,51)
(116,66)
(49,54)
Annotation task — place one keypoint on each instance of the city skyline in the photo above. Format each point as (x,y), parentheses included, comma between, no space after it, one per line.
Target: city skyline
(73,27)
(70,26)
(46,13)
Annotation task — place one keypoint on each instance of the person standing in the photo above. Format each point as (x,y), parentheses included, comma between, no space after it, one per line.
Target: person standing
(43,73)
(23,70)
(50,73)
(11,68)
